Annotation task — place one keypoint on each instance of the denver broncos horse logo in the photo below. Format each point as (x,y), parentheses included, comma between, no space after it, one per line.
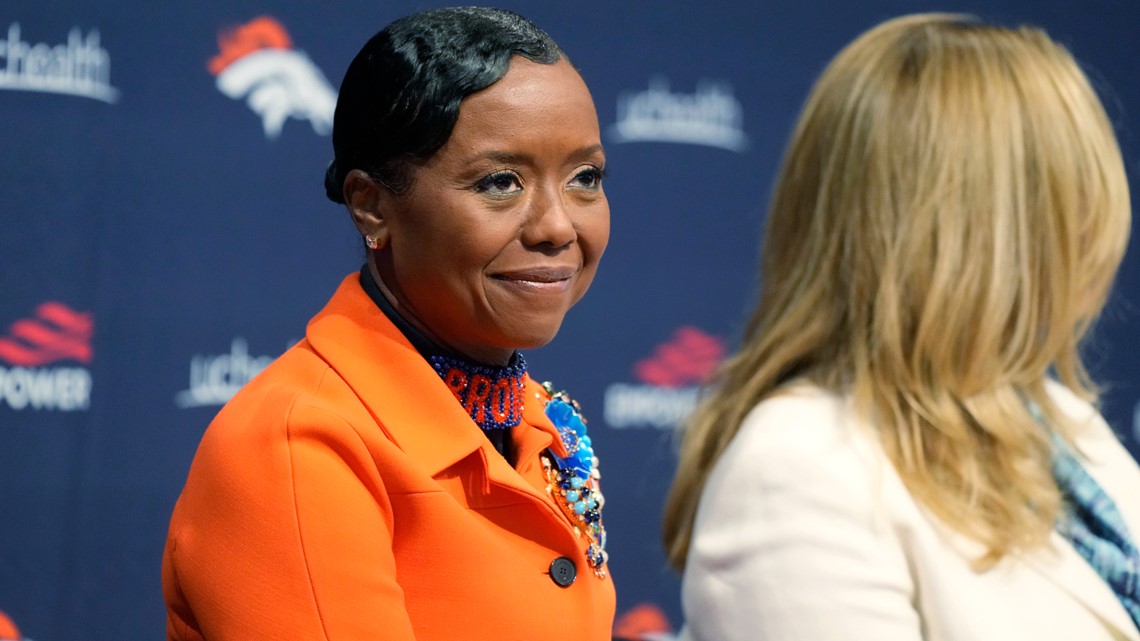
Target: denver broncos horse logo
(257,61)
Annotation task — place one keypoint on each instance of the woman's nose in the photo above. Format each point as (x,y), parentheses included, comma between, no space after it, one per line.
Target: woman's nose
(550,223)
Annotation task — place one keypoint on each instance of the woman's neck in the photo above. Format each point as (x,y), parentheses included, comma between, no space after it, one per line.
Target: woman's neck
(495,357)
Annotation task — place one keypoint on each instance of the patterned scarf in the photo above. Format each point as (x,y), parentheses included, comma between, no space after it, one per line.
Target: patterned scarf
(1096,529)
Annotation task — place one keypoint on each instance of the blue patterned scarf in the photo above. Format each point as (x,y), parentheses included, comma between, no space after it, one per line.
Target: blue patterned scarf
(1096,530)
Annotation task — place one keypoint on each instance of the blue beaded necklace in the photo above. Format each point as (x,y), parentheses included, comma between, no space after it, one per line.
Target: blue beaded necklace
(492,396)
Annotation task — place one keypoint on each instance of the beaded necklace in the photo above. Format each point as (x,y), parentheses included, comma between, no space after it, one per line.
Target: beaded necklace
(492,396)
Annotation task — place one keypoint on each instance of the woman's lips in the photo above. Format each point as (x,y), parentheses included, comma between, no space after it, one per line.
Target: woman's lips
(539,279)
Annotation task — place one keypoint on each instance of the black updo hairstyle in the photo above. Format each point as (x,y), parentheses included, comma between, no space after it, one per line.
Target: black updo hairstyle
(399,99)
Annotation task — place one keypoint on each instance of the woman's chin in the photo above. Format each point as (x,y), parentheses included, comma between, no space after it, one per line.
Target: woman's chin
(535,336)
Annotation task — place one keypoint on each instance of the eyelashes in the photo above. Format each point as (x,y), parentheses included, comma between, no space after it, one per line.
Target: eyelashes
(590,178)
(501,184)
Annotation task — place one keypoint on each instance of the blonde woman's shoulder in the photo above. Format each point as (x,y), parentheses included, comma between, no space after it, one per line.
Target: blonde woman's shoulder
(802,415)
(1086,419)
(1067,401)
(805,434)
(801,511)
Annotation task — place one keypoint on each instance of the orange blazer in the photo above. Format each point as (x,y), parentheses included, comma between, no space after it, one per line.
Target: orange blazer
(344,494)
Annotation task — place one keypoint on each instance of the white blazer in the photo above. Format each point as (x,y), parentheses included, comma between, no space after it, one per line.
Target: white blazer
(806,533)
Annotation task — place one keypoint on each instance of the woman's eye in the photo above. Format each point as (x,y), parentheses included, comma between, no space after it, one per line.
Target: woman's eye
(589,178)
(501,183)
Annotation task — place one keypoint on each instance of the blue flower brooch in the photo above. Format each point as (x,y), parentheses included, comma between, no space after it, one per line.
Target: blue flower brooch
(572,480)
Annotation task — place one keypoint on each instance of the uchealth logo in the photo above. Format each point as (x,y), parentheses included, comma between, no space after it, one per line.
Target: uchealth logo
(643,622)
(79,67)
(257,62)
(710,116)
(670,380)
(215,378)
(41,360)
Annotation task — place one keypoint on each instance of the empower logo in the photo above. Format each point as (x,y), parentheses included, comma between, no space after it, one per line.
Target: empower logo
(257,62)
(670,382)
(710,116)
(55,333)
(78,68)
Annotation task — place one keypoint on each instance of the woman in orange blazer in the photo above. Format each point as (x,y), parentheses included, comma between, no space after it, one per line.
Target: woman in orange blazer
(397,474)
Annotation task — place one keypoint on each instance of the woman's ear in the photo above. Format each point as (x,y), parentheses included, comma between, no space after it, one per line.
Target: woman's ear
(364,198)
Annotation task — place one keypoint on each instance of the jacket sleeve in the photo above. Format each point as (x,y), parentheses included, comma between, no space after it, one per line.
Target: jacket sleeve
(285,534)
(792,541)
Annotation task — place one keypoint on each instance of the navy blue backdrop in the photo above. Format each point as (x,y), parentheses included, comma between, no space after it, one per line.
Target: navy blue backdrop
(165,235)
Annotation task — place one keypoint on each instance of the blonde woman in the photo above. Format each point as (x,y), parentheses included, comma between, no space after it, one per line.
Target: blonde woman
(906,445)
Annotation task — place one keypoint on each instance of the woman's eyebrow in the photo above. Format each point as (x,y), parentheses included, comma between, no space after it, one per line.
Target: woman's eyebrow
(507,157)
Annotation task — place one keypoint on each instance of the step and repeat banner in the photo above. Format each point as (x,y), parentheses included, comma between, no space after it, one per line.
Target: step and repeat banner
(165,235)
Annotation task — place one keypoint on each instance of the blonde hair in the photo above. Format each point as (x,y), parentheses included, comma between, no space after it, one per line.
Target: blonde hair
(948,218)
